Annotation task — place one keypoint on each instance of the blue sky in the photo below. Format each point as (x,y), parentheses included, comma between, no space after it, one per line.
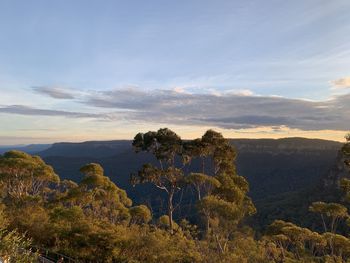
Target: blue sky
(79,70)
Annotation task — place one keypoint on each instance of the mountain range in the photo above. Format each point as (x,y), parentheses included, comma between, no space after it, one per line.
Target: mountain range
(270,166)
(279,171)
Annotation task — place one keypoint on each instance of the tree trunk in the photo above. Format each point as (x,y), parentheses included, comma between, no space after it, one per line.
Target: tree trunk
(324,223)
(333,224)
(199,192)
(221,250)
(208,225)
(170,211)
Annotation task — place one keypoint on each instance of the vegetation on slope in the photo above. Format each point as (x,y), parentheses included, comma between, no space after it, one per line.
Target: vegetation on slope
(95,221)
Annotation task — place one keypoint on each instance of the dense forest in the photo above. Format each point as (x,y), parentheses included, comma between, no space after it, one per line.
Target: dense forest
(94,220)
(284,175)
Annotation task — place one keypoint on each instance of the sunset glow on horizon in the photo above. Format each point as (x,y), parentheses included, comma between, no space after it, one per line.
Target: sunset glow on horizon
(78,71)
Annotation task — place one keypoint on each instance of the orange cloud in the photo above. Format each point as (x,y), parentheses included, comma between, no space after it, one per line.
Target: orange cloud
(341,83)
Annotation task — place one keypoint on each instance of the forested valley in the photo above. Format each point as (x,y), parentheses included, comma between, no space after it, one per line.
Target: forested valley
(45,217)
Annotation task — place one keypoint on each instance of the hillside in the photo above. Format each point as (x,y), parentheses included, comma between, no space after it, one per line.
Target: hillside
(279,172)
(285,177)
(94,149)
(271,166)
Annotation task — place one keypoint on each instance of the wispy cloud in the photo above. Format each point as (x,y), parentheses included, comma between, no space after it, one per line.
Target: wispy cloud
(341,83)
(30,111)
(54,92)
(228,110)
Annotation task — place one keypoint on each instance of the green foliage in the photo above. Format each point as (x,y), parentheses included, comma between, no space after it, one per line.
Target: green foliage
(225,203)
(94,220)
(144,244)
(165,145)
(140,214)
(30,219)
(333,211)
(23,175)
(289,242)
(222,194)
(337,245)
(345,186)
(14,247)
(99,196)
(164,223)
(346,150)
(203,184)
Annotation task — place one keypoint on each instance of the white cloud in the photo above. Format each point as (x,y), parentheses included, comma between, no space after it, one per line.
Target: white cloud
(180,90)
(54,92)
(241,92)
(230,110)
(341,83)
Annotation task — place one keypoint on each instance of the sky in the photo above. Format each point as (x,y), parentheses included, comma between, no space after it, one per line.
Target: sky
(95,70)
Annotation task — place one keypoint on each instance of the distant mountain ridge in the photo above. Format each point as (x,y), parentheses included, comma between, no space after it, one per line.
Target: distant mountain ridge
(101,149)
(271,166)
(96,149)
(276,169)
(31,148)
(285,144)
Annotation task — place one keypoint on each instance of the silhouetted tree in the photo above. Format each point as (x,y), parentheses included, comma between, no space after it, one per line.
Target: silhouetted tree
(166,146)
